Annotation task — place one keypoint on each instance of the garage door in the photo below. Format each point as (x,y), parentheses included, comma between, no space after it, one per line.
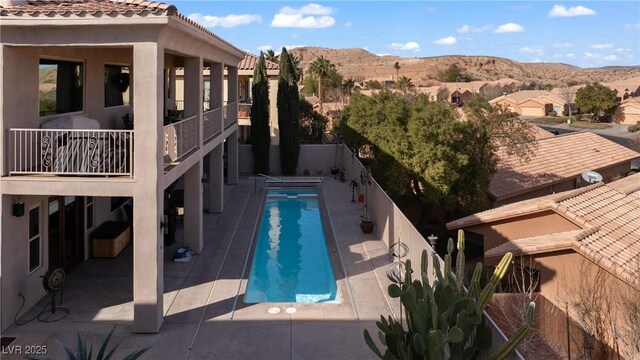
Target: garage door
(532,111)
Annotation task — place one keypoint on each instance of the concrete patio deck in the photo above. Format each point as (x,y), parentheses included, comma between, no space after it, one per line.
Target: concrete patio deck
(205,317)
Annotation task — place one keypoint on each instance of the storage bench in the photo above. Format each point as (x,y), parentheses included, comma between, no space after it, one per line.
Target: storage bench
(110,238)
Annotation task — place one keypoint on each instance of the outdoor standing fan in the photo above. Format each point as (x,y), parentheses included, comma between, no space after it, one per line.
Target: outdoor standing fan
(52,282)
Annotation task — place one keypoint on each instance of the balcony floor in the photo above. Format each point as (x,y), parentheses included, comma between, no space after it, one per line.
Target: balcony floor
(205,317)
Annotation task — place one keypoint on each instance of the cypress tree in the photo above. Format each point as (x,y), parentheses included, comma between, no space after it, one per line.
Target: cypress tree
(260,132)
(288,114)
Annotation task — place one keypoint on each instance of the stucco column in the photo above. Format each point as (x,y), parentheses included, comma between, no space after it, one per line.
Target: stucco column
(193,90)
(217,91)
(171,101)
(232,85)
(148,249)
(232,158)
(193,207)
(216,180)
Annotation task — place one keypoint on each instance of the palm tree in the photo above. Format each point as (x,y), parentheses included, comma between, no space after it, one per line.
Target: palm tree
(397,67)
(347,87)
(271,55)
(404,84)
(320,68)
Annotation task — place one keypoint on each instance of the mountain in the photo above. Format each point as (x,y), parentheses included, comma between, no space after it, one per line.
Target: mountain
(361,65)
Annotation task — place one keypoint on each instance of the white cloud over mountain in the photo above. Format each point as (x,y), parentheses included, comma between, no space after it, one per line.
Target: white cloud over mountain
(449,40)
(579,10)
(228,21)
(509,28)
(311,16)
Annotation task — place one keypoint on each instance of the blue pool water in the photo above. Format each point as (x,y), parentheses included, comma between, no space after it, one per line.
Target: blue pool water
(291,262)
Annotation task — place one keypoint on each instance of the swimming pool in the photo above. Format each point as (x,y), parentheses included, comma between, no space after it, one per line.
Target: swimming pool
(291,261)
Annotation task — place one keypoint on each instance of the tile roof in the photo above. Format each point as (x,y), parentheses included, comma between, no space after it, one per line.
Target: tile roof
(537,244)
(96,8)
(608,215)
(250,60)
(556,159)
(520,96)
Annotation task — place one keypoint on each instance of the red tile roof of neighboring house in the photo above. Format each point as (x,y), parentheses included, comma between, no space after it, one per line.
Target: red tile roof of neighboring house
(50,8)
(250,60)
(556,159)
(608,215)
(38,9)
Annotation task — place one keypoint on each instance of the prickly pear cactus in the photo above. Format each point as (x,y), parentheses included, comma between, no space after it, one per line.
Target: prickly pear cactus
(443,321)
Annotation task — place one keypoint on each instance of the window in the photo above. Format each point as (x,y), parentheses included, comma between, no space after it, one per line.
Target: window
(34,239)
(61,86)
(89,213)
(116,85)
(117,201)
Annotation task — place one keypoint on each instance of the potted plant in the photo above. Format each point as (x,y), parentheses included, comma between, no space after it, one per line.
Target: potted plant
(366,223)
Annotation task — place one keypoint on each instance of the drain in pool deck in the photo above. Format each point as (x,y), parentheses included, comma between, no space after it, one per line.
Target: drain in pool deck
(274,310)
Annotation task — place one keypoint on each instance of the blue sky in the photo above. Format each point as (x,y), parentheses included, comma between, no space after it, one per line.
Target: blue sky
(582,33)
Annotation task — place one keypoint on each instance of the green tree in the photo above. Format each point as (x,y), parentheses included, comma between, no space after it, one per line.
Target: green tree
(404,84)
(397,67)
(347,87)
(312,124)
(454,74)
(260,132)
(374,85)
(446,163)
(320,69)
(596,98)
(288,114)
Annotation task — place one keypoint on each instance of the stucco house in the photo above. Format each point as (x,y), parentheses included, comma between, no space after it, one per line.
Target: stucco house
(555,165)
(245,77)
(573,237)
(628,112)
(529,102)
(71,161)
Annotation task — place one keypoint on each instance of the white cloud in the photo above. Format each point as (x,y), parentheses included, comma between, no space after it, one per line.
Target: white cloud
(228,21)
(557,55)
(537,60)
(601,46)
(532,50)
(623,50)
(289,47)
(571,55)
(610,58)
(411,45)
(384,54)
(562,45)
(471,29)
(508,28)
(589,55)
(632,26)
(561,11)
(449,40)
(348,24)
(265,47)
(311,16)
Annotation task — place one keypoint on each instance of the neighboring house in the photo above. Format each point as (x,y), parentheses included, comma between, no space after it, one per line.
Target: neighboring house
(628,112)
(624,89)
(574,238)
(71,162)
(245,77)
(530,102)
(555,165)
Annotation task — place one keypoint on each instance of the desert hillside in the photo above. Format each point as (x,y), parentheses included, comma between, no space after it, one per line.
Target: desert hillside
(361,64)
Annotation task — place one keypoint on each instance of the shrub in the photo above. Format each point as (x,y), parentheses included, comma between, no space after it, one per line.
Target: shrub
(552,113)
(634,128)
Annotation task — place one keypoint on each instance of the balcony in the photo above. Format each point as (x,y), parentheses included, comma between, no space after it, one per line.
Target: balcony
(71,152)
(230,114)
(211,124)
(180,138)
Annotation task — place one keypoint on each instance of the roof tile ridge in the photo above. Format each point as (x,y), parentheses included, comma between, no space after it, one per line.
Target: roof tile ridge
(573,193)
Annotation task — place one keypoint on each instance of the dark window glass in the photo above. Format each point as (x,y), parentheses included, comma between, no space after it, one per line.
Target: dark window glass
(89,213)
(34,254)
(116,85)
(61,86)
(34,222)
